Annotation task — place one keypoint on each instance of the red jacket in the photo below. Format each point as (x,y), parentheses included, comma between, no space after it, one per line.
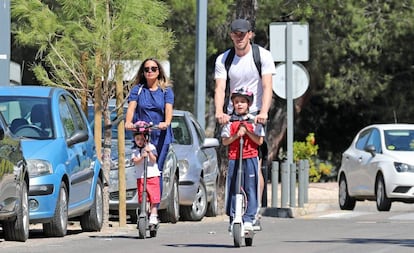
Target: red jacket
(249,146)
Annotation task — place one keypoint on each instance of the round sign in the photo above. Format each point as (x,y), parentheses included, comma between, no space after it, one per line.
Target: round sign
(300,80)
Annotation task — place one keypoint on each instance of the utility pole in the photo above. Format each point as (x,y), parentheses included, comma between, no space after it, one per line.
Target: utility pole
(200,67)
(5,42)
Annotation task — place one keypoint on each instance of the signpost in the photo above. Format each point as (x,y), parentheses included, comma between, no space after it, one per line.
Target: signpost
(289,42)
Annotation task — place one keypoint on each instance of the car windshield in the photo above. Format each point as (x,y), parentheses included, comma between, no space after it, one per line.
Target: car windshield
(128,134)
(399,140)
(28,116)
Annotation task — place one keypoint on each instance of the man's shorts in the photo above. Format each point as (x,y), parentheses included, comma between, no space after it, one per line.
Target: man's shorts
(263,151)
(153,189)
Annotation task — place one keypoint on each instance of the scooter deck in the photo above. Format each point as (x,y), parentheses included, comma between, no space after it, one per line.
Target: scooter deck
(249,233)
(153,227)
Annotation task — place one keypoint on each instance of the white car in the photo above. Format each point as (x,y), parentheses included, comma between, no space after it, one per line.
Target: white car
(379,165)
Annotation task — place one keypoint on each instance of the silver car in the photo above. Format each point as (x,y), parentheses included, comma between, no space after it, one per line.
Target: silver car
(378,165)
(197,160)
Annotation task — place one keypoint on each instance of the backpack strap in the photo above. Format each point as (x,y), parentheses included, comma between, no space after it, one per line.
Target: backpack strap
(140,89)
(227,65)
(256,58)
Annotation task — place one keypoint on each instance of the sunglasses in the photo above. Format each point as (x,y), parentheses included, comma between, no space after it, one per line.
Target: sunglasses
(153,69)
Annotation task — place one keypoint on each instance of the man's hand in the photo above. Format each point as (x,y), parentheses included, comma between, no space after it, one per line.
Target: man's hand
(222,118)
(261,118)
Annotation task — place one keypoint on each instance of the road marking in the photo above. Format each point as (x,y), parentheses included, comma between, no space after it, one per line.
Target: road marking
(343,215)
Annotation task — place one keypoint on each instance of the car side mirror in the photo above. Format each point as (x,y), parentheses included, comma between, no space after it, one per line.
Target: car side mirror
(210,143)
(370,149)
(77,137)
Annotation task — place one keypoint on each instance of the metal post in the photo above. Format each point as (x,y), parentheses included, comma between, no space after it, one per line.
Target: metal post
(285,184)
(301,187)
(5,42)
(275,183)
(289,92)
(306,180)
(292,185)
(200,66)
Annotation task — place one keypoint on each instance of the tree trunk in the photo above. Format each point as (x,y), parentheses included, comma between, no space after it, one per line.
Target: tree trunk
(121,144)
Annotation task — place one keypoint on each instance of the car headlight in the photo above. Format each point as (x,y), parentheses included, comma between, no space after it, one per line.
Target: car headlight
(403,167)
(39,167)
(183,166)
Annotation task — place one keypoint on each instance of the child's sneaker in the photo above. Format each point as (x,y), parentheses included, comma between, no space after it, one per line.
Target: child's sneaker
(153,220)
(248,226)
(257,226)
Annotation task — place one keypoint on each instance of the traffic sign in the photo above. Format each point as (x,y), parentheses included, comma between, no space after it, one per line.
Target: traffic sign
(300,80)
(300,41)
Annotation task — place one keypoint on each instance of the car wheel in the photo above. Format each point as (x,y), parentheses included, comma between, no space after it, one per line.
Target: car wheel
(383,202)
(198,209)
(133,217)
(213,204)
(172,213)
(346,202)
(58,226)
(18,229)
(92,220)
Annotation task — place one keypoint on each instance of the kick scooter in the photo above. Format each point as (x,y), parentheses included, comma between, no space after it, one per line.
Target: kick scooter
(143,210)
(237,226)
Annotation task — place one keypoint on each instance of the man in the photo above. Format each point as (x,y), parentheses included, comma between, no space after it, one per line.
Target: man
(243,73)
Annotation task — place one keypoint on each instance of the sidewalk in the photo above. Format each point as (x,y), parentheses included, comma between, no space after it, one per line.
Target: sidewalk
(321,197)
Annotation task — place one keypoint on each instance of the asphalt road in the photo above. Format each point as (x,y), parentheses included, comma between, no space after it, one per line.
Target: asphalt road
(362,230)
(318,227)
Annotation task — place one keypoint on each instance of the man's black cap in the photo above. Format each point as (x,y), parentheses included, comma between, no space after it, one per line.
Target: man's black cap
(240,25)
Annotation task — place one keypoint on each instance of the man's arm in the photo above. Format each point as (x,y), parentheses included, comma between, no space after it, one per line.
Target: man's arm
(219,96)
(266,99)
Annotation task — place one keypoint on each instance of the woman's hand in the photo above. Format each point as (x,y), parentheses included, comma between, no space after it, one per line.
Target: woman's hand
(129,126)
(163,125)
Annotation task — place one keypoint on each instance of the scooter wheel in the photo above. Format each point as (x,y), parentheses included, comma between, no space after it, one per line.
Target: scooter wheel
(237,238)
(248,241)
(142,223)
(153,233)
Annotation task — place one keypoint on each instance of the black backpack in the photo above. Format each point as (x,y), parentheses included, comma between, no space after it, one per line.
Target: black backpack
(227,65)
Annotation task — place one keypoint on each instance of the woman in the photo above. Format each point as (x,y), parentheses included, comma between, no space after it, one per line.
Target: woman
(151,100)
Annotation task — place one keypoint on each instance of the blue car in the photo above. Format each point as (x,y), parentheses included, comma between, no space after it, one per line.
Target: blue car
(66,179)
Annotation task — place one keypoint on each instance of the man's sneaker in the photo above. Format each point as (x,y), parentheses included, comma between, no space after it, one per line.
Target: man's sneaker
(248,226)
(153,220)
(257,226)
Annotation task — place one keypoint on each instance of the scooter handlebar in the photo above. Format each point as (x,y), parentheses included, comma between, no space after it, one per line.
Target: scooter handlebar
(245,118)
(144,127)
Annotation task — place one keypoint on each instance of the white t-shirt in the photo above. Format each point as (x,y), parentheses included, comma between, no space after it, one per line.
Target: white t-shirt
(243,74)
(152,168)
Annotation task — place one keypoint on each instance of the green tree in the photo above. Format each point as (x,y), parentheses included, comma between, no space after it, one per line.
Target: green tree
(81,43)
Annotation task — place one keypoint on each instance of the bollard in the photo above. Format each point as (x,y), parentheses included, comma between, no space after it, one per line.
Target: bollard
(301,187)
(285,185)
(293,185)
(265,179)
(275,183)
(306,180)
